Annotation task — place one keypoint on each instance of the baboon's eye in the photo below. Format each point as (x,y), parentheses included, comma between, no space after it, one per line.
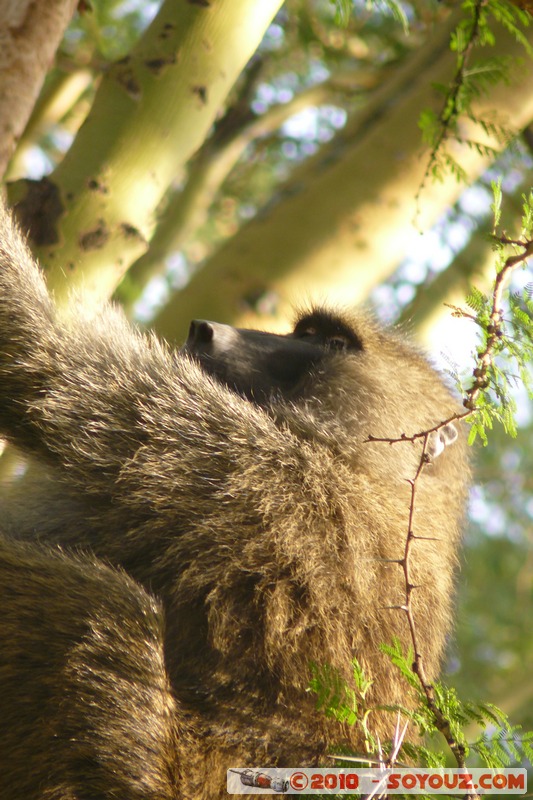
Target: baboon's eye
(337,343)
(307,332)
(327,331)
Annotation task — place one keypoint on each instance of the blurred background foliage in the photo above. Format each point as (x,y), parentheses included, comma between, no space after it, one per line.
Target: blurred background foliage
(309,78)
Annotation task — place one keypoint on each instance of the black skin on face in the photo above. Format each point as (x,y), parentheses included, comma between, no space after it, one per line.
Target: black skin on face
(260,365)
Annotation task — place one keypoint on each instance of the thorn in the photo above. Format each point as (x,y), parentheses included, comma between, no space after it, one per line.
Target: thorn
(358,759)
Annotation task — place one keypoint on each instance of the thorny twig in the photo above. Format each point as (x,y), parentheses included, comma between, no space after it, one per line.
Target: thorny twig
(441,722)
(422,435)
(480,382)
(494,329)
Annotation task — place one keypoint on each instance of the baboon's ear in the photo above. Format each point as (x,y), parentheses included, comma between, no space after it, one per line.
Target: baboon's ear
(440,439)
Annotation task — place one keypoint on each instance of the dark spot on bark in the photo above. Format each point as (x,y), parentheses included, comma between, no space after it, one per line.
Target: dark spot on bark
(202,3)
(126,78)
(201,92)
(96,238)
(84,7)
(96,186)
(156,65)
(168,27)
(131,232)
(71,266)
(39,211)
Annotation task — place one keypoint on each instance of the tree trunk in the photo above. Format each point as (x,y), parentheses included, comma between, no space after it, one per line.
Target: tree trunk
(346,219)
(151,113)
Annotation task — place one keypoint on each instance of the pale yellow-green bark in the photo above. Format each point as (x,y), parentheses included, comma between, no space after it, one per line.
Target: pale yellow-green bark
(346,219)
(188,207)
(152,111)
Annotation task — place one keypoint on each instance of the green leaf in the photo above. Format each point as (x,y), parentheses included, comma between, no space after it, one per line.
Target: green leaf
(343,11)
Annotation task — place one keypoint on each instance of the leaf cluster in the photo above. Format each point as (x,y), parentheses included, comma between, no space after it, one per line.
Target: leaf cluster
(505,348)
(338,699)
(472,80)
(343,10)
(498,743)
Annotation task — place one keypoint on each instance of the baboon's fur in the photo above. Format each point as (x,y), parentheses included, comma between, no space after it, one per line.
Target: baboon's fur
(265,530)
(81,657)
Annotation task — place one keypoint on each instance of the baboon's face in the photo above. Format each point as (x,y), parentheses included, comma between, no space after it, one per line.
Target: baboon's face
(353,379)
(260,365)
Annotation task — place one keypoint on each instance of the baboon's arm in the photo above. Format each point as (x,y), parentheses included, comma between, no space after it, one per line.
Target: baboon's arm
(126,417)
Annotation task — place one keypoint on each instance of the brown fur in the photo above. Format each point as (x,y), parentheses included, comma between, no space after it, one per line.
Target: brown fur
(264,531)
(81,657)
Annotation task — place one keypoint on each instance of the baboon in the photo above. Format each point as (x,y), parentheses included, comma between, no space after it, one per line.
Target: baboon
(212,520)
